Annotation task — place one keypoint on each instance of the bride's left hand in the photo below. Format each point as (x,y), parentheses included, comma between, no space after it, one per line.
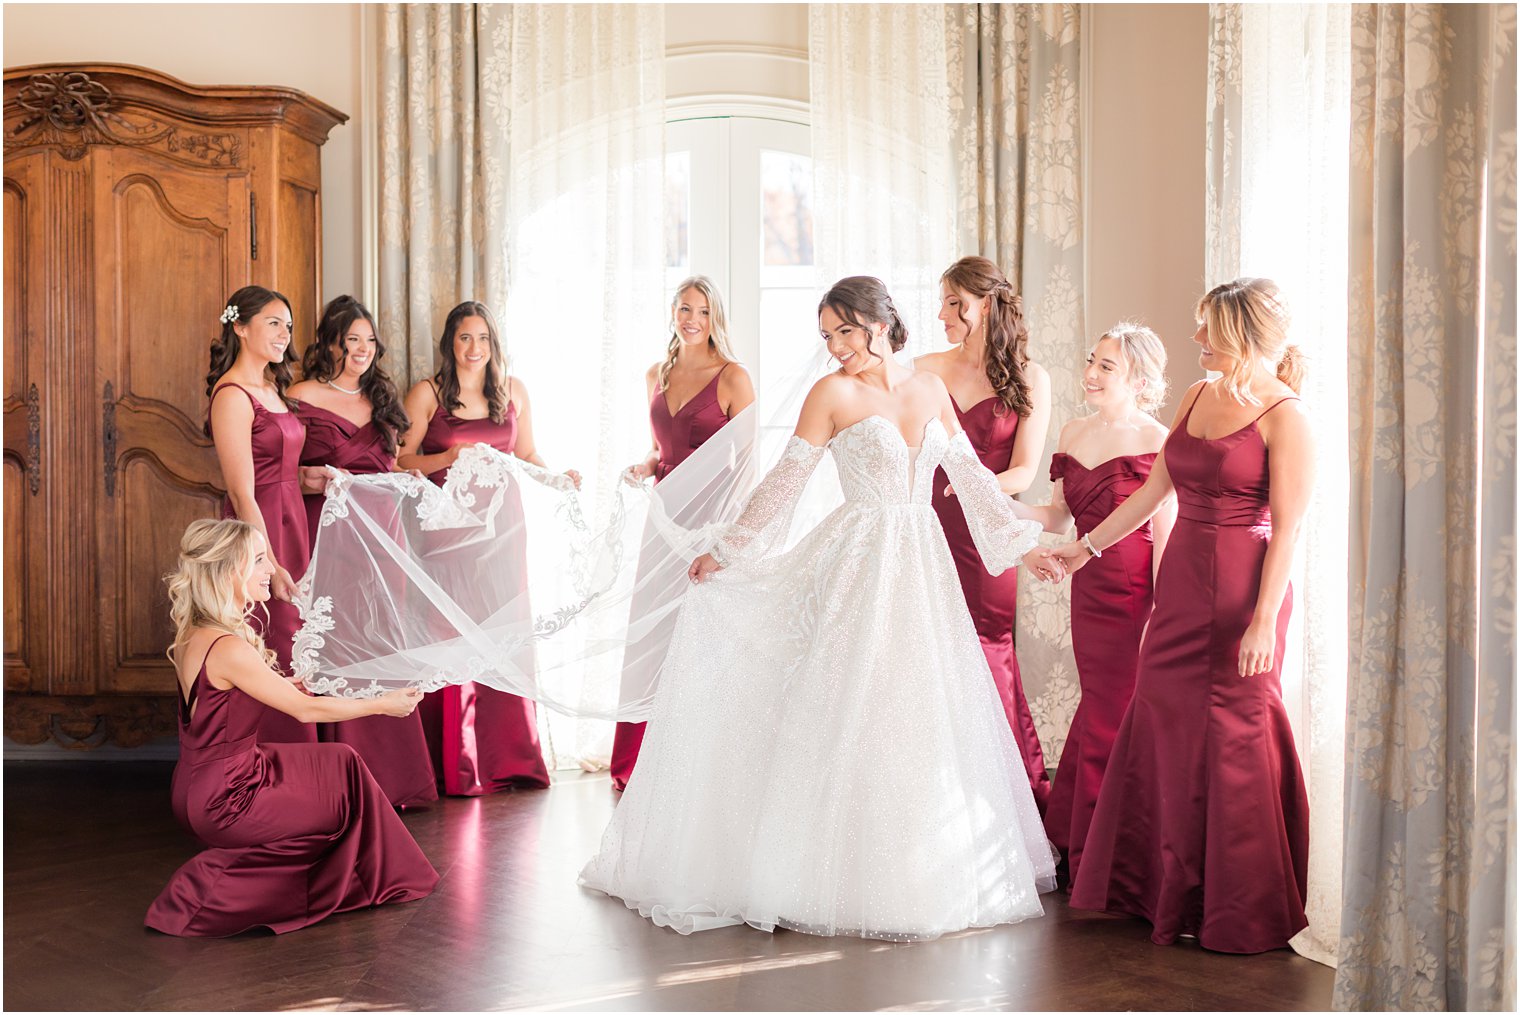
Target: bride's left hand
(702,567)
(575,477)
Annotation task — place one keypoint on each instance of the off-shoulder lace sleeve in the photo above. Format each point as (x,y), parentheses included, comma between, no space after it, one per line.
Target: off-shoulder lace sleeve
(1001,537)
(768,514)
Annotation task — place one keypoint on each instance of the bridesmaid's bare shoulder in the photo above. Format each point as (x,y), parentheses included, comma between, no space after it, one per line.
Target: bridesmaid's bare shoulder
(932,362)
(735,381)
(207,647)
(311,391)
(423,389)
(1071,431)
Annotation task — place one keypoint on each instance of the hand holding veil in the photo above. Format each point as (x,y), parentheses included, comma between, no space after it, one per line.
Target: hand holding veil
(499,578)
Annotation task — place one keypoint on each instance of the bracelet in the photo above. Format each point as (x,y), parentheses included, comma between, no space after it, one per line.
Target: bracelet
(1087,543)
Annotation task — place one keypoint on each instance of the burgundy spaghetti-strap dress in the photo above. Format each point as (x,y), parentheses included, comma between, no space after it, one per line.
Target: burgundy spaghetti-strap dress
(277,438)
(394,750)
(296,832)
(676,436)
(993,600)
(482,740)
(1110,603)
(1202,824)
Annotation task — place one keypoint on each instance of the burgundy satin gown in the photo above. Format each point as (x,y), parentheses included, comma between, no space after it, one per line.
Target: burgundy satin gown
(295,832)
(1110,603)
(277,438)
(482,740)
(676,436)
(993,600)
(1202,824)
(394,750)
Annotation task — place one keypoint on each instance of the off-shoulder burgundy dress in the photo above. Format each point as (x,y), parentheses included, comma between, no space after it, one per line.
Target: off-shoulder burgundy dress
(1202,824)
(277,438)
(295,832)
(1110,603)
(993,600)
(676,436)
(481,739)
(394,750)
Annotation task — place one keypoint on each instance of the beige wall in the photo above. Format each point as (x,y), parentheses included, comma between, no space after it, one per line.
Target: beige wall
(313,47)
(1146,91)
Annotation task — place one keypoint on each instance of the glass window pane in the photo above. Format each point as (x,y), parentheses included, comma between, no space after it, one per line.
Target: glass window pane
(786,208)
(678,210)
(788,330)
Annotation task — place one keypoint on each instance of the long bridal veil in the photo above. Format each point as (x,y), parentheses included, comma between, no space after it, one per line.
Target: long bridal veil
(499,577)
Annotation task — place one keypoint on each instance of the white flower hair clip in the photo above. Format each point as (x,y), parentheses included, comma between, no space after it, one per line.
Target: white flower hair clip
(230,314)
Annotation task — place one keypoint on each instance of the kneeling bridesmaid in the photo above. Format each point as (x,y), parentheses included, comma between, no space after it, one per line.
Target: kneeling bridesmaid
(296,832)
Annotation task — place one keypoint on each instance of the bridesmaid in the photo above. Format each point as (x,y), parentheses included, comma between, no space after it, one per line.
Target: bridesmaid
(1201,826)
(258,440)
(988,369)
(482,740)
(354,421)
(1125,381)
(295,832)
(695,375)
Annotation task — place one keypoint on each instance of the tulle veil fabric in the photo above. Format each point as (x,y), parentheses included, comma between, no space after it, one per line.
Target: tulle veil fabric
(499,577)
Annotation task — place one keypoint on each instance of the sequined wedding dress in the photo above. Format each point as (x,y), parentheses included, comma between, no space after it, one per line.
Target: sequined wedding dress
(827,751)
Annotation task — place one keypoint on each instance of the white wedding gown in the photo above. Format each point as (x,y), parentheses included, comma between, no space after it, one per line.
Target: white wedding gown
(827,751)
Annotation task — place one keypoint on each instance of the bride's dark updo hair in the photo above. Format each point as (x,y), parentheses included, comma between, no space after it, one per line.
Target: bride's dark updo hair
(862,300)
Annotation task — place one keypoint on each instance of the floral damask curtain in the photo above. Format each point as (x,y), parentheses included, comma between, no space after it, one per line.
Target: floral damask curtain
(1016,119)
(1429,876)
(443,73)
(522,164)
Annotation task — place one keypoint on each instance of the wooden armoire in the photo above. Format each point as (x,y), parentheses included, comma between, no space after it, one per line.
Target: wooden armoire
(134,204)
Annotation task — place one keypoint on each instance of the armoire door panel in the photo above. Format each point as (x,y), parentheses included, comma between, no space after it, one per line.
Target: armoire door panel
(151,510)
(25,533)
(170,246)
(18,643)
(299,228)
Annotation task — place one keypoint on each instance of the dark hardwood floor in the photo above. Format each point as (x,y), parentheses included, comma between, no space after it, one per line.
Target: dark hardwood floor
(88,846)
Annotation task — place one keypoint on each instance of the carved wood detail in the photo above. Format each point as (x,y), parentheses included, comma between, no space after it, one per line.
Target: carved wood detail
(33,439)
(71,111)
(81,723)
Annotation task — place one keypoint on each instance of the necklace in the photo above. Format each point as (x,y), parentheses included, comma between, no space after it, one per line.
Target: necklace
(1106,423)
(346,391)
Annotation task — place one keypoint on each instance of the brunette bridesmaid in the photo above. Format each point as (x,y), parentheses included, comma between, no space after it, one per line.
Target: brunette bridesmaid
(697,388)
(258,440)
(1007,414)
(354,421)
(1201,826)
(294,832)
(1101,459)
(482,740)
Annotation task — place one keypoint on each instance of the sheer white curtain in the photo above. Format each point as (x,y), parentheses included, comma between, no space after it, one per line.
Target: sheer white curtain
(586,307)
(883,181)
(1279,146)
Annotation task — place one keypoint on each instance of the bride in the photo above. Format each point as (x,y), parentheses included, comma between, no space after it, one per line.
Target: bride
(827,751)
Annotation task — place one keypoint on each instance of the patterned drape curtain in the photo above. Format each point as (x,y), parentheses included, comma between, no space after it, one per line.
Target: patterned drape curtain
(1014,74)
(883,187)
(1430,844)
(522,155)
(443,170)
(1279,122)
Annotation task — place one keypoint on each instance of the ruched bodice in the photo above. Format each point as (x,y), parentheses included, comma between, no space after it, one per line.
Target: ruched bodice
(1223,481)
(678,434)
(874,462)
